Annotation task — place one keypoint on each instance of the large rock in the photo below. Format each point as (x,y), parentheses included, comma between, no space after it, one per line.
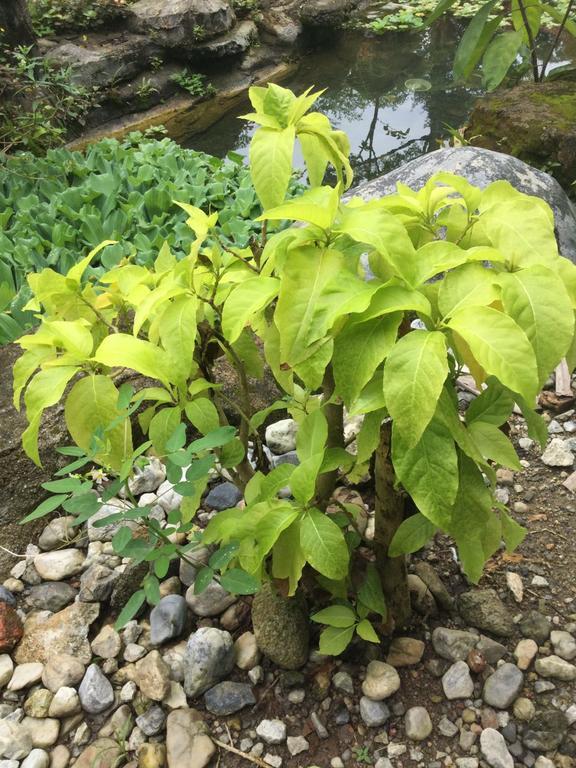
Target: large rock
(106,63)
(483,609)
(281,627)
(326,13)
(175,23)
(233,43)
(481,167)
(536,123)
(46,635)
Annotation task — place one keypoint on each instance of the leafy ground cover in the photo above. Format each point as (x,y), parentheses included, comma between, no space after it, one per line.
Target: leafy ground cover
(56,208)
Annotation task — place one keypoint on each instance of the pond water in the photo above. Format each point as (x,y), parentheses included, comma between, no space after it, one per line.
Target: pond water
(370,95)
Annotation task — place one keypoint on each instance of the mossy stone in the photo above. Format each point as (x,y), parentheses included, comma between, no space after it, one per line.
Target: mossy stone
(534,122)
(281,626)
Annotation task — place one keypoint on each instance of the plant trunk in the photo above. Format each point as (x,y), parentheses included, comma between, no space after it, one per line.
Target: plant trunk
(389,514)
(334,413)
(15,24)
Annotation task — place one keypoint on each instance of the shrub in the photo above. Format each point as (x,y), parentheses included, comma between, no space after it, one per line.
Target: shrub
(52,16)
(56,208)
(40,103)
(478,270)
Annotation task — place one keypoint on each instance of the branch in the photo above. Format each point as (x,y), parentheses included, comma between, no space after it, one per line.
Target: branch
(557,38)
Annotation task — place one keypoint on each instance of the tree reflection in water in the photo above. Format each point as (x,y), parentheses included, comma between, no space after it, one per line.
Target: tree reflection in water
(366,95)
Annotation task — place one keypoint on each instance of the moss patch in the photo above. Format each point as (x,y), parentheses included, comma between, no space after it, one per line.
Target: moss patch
(536,123)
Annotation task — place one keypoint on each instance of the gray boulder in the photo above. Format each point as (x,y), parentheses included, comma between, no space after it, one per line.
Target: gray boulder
(180,23)
(233,43)
(481,167)
(107,63)
(209,657)
(326,13)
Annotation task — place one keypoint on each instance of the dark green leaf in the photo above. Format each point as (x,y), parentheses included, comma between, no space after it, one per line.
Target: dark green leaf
(238,582)
(44,508)
(203,578)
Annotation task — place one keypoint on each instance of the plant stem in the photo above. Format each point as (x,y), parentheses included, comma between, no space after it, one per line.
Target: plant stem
(556,38)
(389,514)
(531,41)
(334,413)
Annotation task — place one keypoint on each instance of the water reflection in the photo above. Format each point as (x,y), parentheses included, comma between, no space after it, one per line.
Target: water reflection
(367,97)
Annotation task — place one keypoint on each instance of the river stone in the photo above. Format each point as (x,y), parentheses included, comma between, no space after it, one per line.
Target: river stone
(558,453)
(417,723)
(62,670)
(456,681)
(453,644)
(56,566)
(96,693)
(282,627)
(167,619)
(46,636)
(65,703)
(6,669)
(107,643)
(483,609)
(223,496)
(494,749)
(38,758)
(281,436)
(209,657)
(58,532)
(564,644)
(546,731)
(187,743)
(152,676)
(228,697)
(152,722)
(107,532)
(175,23)
(246,651)
(210,602)
(271,731)
(503,687)
(44,731)
(96,583)
(405,651)
(373,713)
(26,675)
(382,680)
(127,583)
(6,596)
(482,167)
(53,596)
(38,703)
(535,626)
(435,584)
(555,667)
(15,740)
(147,478)
(11,629)
(490,649)
(101,753)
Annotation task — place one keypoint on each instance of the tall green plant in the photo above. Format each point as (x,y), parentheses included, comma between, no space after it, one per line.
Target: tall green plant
(505,37)
(377,306)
